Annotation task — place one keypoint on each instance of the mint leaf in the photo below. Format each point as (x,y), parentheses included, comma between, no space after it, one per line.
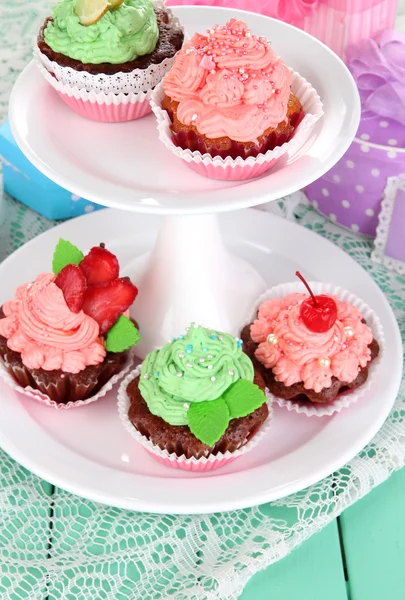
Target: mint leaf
(122,335)
(208,420)
(243,398)
(65,254)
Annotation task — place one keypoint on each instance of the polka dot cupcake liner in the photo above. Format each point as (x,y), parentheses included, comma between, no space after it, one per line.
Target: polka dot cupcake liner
(200,465)
(347,398)
(229,169)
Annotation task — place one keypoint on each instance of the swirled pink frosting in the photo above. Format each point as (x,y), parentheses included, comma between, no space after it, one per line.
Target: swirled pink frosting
(299,355)
(229,83)
(39,325)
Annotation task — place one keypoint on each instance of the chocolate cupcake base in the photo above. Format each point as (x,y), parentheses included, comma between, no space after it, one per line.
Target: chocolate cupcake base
(296,392)
(179,440)
(58,386)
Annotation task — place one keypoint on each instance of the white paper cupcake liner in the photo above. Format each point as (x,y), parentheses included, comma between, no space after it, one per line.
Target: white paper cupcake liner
(44,399)
(137,81)
(172,460)
(99,106)
(239,168)
(347,398)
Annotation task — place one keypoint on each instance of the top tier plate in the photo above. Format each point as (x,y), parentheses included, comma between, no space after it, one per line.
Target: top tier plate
(125,165)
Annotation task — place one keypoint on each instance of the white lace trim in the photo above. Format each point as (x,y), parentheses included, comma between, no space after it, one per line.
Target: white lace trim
(384,221)
(93,96)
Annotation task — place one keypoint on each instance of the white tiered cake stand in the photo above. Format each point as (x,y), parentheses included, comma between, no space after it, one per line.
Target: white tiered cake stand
(197,268)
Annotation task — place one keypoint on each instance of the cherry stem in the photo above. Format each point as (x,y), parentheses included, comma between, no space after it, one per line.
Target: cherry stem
(298,274)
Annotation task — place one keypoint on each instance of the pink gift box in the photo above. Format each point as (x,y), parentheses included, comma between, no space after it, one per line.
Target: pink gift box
(337,23)
(342,23)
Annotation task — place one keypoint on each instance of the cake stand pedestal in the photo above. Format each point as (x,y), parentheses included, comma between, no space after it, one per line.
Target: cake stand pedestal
(190,276)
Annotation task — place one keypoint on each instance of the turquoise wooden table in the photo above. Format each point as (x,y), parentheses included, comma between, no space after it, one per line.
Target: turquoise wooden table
(359,556)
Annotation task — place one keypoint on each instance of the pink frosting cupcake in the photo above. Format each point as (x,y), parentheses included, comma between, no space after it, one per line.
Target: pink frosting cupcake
(229,96)
(312,355)
(65,336)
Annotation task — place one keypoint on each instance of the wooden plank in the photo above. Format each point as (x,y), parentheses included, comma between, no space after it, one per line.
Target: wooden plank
(312,572)
(374,542)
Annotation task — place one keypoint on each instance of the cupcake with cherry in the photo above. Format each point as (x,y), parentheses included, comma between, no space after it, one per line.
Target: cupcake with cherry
(65,338)
(317,352)
(104,57)
(229,106)
(197,403)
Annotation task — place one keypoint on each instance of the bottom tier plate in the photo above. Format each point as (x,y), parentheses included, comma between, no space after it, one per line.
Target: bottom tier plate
(86,451)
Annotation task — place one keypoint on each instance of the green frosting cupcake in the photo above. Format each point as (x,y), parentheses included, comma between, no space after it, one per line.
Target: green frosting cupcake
(201,380)
(120,36)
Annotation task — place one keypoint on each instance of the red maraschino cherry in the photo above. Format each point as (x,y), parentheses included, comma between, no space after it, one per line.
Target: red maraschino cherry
(319,313)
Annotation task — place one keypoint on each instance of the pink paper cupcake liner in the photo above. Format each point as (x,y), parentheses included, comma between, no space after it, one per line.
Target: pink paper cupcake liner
(195,465)
(100,106)
(238,169)
(43,399)
(108,113)
(346,398)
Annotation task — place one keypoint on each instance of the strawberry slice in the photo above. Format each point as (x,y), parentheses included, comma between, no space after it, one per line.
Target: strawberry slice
(105,302)
(100,266)
(72,282)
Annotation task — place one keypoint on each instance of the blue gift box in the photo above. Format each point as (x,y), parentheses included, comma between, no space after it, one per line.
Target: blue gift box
(26,184)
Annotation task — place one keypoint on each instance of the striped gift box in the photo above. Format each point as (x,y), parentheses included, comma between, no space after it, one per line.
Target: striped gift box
(342,23)
(337,23)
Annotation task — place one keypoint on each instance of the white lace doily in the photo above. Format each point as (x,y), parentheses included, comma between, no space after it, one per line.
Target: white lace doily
(54,544)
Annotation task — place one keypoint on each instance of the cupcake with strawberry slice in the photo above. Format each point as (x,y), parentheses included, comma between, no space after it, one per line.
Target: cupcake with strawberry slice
(65,338)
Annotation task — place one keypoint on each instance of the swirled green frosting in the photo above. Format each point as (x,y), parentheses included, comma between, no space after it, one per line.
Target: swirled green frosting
(197,367)
(121,35)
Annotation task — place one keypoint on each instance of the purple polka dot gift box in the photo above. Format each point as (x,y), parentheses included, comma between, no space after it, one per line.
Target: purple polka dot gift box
(351,193)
